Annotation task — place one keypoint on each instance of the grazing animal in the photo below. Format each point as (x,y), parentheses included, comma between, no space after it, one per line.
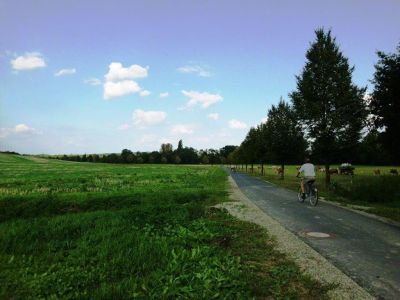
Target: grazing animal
(394,172)
(377,172)
(279,170)
(333,171)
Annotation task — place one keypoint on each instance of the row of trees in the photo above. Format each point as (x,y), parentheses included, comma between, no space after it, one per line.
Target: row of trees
(181,155)
(329,117)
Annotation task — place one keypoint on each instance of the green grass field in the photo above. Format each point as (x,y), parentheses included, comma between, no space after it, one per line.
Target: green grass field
(100,231)
(377,194)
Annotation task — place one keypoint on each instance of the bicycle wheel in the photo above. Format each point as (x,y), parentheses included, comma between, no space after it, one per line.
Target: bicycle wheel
(300,196)
(313,196)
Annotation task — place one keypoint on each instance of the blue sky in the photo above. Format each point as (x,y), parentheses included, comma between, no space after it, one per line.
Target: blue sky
(100,76)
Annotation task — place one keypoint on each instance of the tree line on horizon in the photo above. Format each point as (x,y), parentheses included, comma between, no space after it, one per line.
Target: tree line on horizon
(329,118)
(166,155)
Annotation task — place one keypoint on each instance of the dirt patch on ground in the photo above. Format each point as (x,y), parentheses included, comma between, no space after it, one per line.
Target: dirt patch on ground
(310,261)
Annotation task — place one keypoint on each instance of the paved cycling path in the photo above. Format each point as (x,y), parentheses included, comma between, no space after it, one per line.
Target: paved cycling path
(365,249)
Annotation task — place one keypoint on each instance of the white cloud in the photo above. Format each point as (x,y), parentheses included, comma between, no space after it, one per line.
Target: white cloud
(119,80)
(65,72)
(181,129)
(121,88)
(20,129)
(164,95)
(195,69)
(143,118)
(264,120)
(204,99)
(213,116)
(92,81)
(124,126)
(29,61)
(236,124)
(117,72)
(144,93)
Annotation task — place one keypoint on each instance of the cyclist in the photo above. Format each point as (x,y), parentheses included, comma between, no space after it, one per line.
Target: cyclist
(309,174)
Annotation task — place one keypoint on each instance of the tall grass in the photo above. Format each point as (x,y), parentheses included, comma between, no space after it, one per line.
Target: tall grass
(378,189)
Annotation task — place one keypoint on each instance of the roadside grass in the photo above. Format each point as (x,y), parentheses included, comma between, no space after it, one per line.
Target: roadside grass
(374,194)
(100,231)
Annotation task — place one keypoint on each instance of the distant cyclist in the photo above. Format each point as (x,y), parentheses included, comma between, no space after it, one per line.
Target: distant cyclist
(308,169)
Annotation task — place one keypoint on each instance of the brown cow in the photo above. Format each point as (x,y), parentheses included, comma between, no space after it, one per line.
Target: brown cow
(394,172)
(279,170)
(333,171)
(377,172)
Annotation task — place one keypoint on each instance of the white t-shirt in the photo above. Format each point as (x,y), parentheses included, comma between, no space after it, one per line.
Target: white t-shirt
(308,169)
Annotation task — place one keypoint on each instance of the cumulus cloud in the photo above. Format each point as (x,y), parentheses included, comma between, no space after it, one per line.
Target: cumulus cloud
(118,80)
(29,61)
(164,95)
(213,116)
(181,129)
(65,72)
(92,81)
(20,129)
(144,93)
(236,124)
(196,70)
(121,88)
(143,118)
(117,72)
(204,99)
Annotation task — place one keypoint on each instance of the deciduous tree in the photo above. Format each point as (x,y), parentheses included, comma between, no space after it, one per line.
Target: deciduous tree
(328,105)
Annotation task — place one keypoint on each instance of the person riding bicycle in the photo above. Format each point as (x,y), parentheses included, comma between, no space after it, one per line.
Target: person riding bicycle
(308,169)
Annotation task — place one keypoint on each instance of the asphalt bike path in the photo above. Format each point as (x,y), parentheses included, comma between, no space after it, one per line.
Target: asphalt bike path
(365,249)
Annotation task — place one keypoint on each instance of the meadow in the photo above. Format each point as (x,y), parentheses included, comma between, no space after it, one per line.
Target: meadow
(73,230)
(376,194)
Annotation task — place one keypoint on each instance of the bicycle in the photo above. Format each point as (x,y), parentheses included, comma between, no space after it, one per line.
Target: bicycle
(311,192)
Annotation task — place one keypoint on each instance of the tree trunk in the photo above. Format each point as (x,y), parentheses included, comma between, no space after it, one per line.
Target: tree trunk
(283,171)
(252,168)
(262,169)
(246,168)
(327,175)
